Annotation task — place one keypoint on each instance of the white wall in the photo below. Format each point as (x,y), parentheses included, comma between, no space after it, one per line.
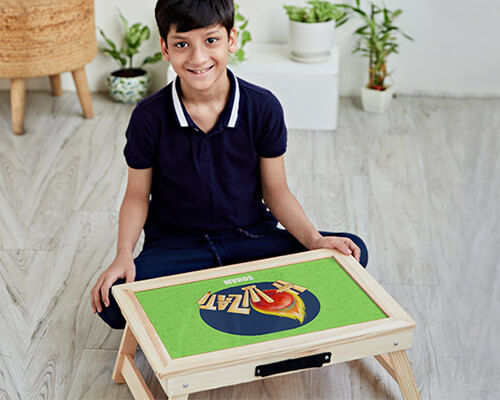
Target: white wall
(455,51)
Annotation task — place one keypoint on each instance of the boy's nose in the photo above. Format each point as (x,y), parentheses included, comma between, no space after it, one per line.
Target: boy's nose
(198,57)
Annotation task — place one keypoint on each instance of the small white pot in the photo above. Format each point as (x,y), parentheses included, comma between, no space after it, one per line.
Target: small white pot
(376,101)
(310,42)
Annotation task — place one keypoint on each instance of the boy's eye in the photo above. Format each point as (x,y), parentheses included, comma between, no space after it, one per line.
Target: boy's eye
(211,40)
(181,45)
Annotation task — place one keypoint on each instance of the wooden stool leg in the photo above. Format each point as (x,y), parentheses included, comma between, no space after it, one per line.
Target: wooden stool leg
(55,84)
(17,104)
(402,369)
(83,92)
(126,370)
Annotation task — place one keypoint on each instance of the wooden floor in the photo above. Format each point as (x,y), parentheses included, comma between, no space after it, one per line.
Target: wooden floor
(419,183)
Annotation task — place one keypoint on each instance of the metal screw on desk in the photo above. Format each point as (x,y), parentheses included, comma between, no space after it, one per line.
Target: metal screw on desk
(258,371)
(396,343)
(327,358)
(185,384)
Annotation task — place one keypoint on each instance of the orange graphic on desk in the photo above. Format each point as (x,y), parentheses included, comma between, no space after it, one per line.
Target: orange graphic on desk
(284,301)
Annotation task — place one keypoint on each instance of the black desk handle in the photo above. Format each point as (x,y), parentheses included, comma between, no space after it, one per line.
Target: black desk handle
(294,364)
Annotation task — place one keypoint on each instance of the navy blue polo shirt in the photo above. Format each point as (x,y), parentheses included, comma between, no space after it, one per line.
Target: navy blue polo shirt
(206,182)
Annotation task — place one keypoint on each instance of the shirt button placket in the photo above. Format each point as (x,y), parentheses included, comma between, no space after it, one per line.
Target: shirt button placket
(204,158)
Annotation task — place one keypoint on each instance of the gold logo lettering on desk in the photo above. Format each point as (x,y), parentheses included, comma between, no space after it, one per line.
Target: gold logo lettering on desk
(284,301)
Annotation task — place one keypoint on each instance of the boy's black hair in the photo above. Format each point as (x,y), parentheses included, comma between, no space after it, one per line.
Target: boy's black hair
(186,15)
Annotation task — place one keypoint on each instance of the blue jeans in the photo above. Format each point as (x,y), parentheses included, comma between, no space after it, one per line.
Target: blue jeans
(164,255)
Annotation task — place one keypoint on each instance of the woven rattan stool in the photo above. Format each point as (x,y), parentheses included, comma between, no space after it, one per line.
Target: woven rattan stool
(46,38)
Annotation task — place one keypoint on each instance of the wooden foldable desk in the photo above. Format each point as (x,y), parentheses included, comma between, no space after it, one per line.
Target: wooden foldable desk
(244,322)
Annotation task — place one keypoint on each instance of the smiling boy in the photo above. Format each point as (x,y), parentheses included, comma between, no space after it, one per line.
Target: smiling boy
(203,153)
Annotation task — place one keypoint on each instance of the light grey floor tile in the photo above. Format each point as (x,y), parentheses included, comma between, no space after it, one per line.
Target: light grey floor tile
(419,183)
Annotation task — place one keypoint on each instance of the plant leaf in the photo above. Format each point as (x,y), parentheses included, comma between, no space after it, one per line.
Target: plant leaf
(108,41)
(240,54)
(151,60)
(396,13)
(145,33)
(124,21)
(245,37)
(244,25)
(116,55)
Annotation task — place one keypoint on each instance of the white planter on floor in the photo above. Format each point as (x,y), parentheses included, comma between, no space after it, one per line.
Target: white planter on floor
(376,101)
(310,42)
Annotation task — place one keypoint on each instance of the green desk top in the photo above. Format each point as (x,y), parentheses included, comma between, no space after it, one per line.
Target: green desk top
(324,297)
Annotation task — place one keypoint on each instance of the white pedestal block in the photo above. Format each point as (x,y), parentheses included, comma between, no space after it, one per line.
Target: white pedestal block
(307,92)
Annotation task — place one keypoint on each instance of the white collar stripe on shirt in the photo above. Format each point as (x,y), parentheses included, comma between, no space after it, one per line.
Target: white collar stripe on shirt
(177,105)
(236,102)
(234,110)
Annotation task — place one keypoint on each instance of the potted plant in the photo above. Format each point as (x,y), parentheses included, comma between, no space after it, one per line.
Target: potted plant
(377,39)
(311,30)
(129,84)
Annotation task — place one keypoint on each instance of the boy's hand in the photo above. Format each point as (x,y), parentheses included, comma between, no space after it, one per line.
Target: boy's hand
(342,244)
(121,267)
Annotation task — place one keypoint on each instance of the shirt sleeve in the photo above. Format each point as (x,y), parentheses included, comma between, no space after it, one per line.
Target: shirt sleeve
(140,149)
(272,135)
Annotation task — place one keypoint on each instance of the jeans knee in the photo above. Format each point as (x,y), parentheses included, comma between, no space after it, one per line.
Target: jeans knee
(114,319)
(112,314)
(363,258)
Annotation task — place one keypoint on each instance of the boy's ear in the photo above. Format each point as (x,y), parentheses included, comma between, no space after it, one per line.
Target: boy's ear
(164,50)
(233,40)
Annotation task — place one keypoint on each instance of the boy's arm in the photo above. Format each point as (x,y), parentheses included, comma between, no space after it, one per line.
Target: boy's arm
(287,210)
(133,213)
(134,209)
(283,204)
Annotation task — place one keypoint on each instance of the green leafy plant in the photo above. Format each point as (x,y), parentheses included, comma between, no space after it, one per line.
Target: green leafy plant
(244,36)
(133,37)
(377,40)
(317,11)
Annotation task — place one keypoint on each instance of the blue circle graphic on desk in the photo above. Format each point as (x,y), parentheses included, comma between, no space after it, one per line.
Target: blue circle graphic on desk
(259,308)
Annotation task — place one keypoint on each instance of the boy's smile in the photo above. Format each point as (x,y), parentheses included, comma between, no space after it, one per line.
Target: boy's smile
(199,57)
(202,72)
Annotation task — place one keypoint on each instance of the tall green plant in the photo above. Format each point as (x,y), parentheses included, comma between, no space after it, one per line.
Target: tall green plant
(244,36)
(317,11)
(133,37)
(377,40)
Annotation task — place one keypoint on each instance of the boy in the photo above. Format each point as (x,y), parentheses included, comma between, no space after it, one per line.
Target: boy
(208,147)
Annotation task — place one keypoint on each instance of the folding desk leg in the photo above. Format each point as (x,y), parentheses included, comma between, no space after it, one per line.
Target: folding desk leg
(385,362)
(404,375)
(128,346)
(126,371)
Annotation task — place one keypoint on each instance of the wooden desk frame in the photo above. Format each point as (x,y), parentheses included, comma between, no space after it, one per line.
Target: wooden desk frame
(386,339)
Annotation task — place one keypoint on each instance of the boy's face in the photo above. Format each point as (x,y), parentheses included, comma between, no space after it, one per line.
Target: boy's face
(199,56)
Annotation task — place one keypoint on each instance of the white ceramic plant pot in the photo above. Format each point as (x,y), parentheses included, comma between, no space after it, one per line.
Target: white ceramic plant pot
(128,89)
(376,101)
(310,42)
